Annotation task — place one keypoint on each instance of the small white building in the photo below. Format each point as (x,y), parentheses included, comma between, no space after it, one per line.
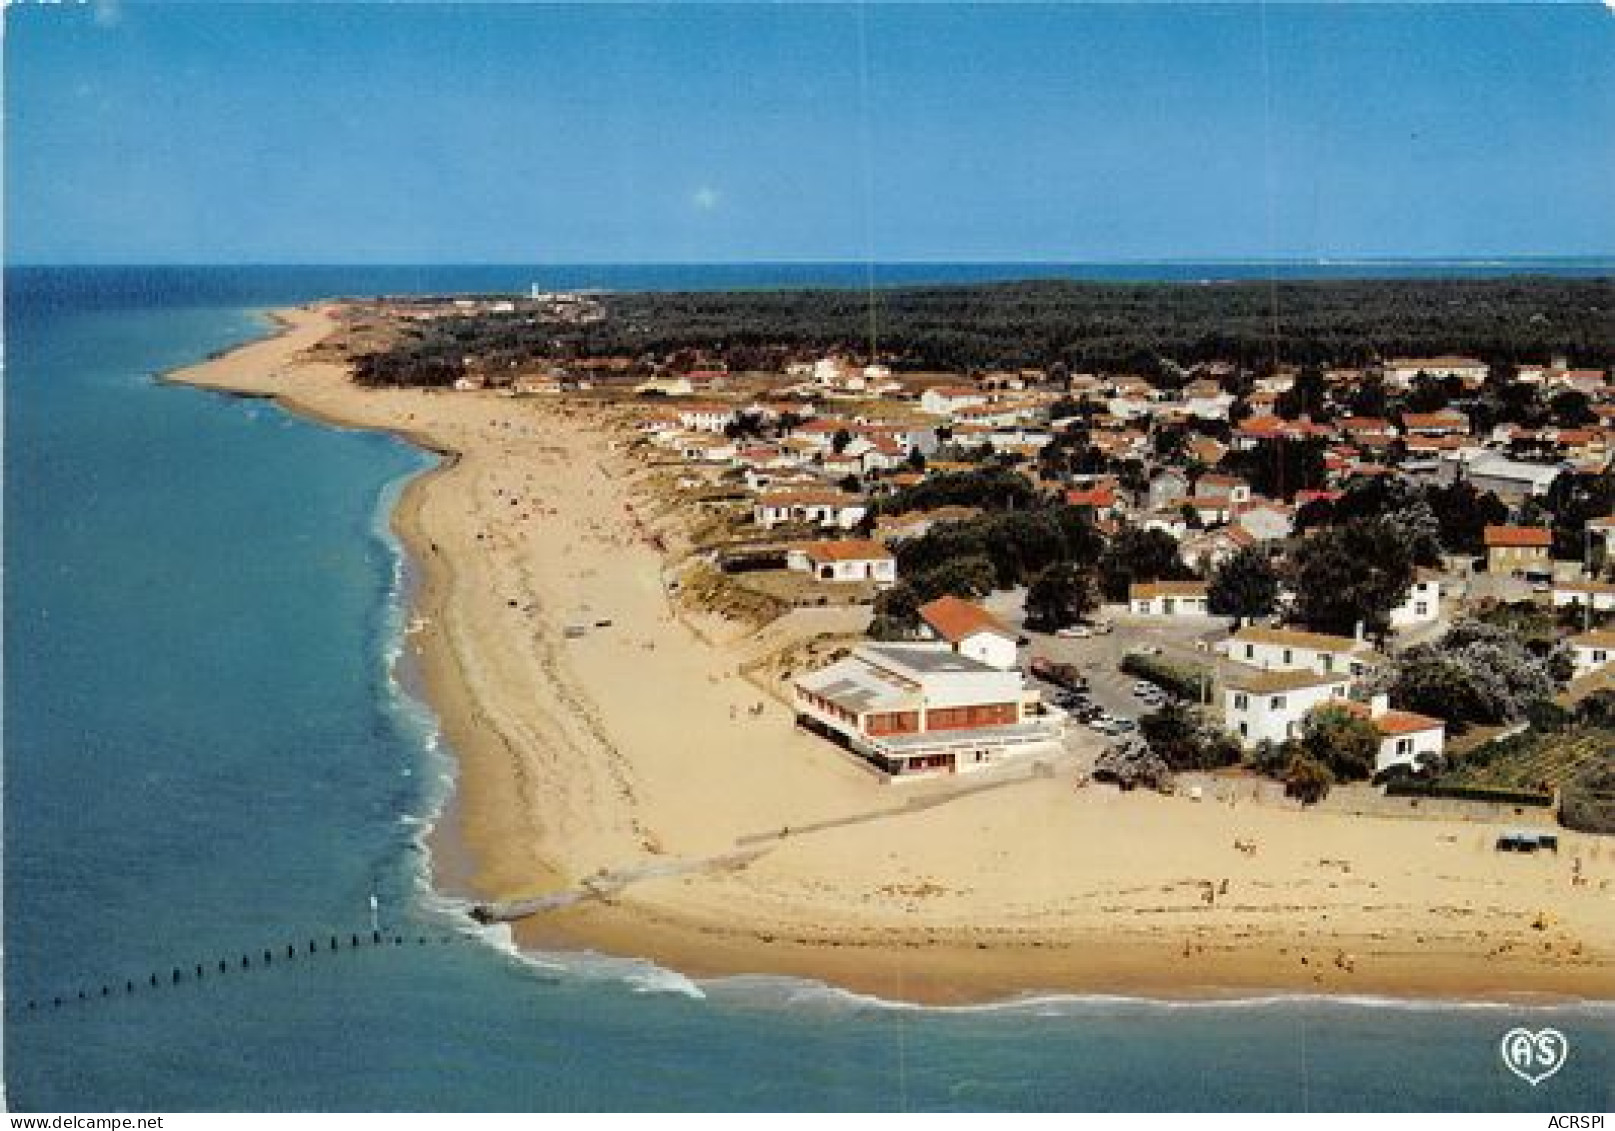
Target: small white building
(945,400)
(969,630)
(1168,599)
(667,385)
(1265,520)
(1406,739)
(828,509)
(706,417)
(850,560)
(1288,649)
(1421,606)
(1592,650)
(924,709)
(1599,595)
(1401,372)
(1270,706)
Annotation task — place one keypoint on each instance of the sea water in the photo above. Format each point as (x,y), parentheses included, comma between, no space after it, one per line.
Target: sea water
(208,755)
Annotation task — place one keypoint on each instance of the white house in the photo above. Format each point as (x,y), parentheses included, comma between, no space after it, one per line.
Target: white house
(1403,371)
(1270,706)
(969,630)
(1592,650)
(851,560)
(706,417)
(1600,595)
(1288,649)
(924,709)
(1226,487)
(1421,606)
(830,509)
(1406,739)
(1265,520)
(945,400)
(667,385)
(1168,598)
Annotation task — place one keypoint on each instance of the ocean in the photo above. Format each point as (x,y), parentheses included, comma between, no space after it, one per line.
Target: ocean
(210,767)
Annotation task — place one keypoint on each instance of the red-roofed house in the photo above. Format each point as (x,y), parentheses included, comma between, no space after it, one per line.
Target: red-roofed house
(850,560)
(1095,500)
(971,630)
(1513,549)
(1447,422)
(1406,739)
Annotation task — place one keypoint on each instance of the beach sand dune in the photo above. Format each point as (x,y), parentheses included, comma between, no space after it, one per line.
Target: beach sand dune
(638,749)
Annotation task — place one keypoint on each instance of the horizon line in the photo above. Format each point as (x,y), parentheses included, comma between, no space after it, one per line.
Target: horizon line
(1224,260)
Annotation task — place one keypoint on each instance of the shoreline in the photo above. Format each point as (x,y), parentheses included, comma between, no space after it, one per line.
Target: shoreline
(552,786)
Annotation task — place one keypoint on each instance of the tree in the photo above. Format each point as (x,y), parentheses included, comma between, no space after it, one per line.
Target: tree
(1280,468)
(962,577)
(839,442)
(1139,555)
(1572,409)
(1429,394)
(1307,396)
(1476,673)
(897,613)
(1346,743)
(1177,736)
(916,460)
(1131,764)
(1244,585)
(1059,596)
(1307,779)
(1352,574)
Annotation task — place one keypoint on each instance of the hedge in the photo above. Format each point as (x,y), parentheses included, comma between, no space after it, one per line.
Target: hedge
(1467,793)
(1181,680)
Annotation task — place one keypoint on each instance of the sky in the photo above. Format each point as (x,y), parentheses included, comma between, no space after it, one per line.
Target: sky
(694,133)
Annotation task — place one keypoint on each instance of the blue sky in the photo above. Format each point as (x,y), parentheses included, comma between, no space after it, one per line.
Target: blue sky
(704,133)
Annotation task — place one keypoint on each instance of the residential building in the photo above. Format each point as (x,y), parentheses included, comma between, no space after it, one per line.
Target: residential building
(1592,650)
(1518,549)
(1599,596)
(1168,598)
(830,509)
(1422,605)
(945,400)
(1265,520)
(969,630)
(849,560)
(706,417)
(924,709)
(1288,649)
(1403,371)
(1165,486)
(1271,706)
(1512,480)
(1406,739)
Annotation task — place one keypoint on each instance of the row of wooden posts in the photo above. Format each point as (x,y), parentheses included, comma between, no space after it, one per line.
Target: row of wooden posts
(247,961)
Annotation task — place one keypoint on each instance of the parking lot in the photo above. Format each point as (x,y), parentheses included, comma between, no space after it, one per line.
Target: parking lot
(1098,657)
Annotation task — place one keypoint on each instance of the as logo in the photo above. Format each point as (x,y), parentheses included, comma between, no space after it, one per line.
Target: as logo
(1533,1057)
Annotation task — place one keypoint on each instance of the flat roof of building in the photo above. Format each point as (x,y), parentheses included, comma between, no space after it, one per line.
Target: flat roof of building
(925,659)
(853,685)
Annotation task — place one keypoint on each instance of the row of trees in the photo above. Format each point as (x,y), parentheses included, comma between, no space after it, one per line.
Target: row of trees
(1063,326)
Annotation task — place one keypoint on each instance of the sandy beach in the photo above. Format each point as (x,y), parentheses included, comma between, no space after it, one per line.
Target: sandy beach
(631,761)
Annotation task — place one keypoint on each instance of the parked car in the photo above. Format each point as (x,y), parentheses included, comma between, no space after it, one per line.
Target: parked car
(1075,632)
